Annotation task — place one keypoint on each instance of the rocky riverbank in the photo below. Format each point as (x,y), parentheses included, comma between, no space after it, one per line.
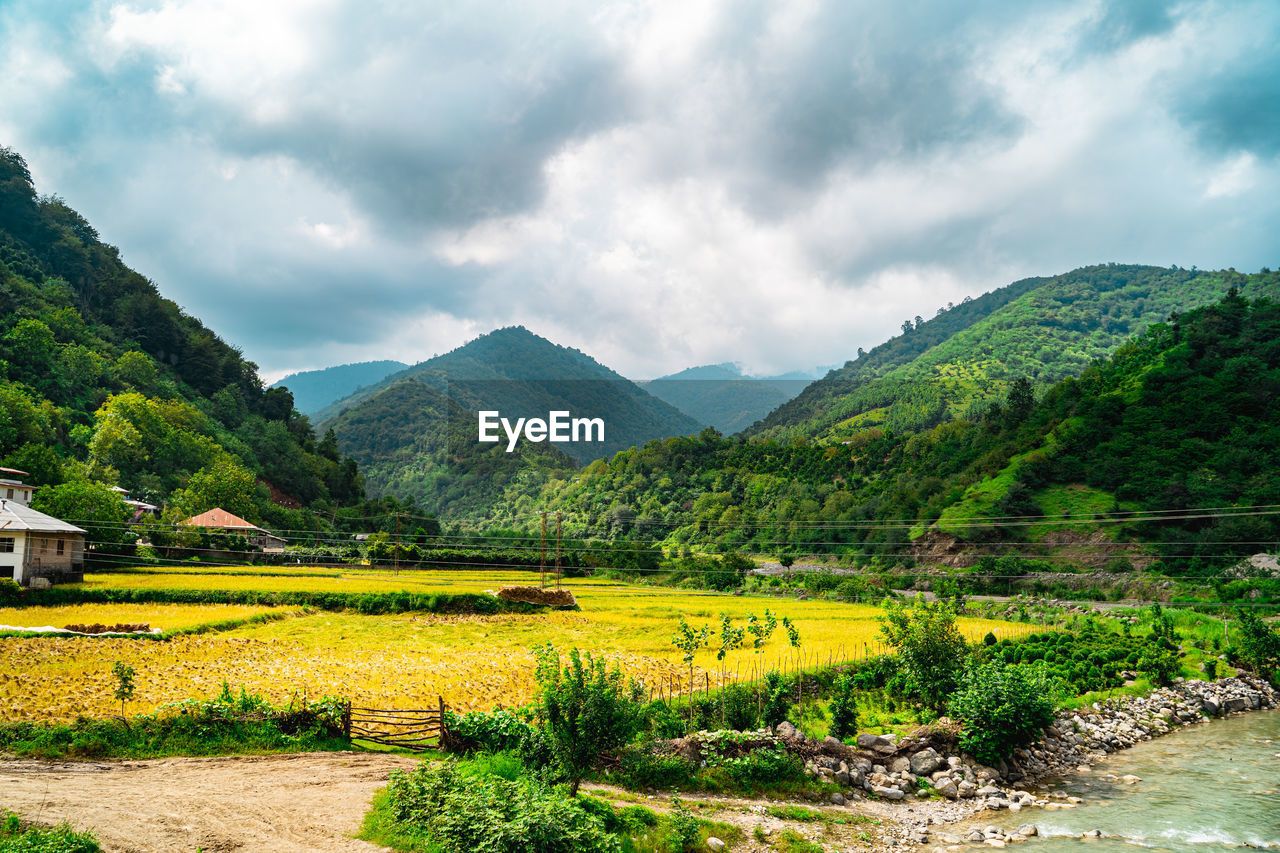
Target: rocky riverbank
(945,785)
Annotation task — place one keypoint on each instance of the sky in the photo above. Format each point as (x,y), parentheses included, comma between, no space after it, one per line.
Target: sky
(659,184)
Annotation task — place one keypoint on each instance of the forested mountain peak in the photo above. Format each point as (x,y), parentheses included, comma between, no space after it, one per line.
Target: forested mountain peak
(105,382)
(959,361)
(314,389)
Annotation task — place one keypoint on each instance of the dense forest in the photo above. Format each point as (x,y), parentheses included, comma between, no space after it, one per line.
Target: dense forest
(959,362)
(314,389)
(104,382)
(1183,417)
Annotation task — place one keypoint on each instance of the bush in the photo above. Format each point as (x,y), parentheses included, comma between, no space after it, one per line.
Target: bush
(1002,708)
(463,814)
(1259,646)
(477,731)
(587,710)
(844,710)
(777,699)
(17,838)
(643,769)
(930,646)
(684,828)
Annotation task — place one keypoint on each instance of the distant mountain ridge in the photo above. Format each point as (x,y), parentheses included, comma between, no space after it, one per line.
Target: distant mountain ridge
(415,432)
(722,396)
(314,389)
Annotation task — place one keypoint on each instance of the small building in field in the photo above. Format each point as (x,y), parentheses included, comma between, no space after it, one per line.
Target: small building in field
(38,546)
(218,519)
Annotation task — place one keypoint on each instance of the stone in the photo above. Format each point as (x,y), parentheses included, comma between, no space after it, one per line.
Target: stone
(837,799)
(990,791)
(888,793)
(1028,830)
(976,835)
(1130,779)
(1232,705)
(995,842)
(714,843)
(925,762)
(832,741)
(966,789)
(947,788)
(1093,833)
(785,730)
(900,765)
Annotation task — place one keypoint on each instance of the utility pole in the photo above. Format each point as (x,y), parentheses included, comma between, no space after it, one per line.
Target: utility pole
(559,520)
(542,554)
(396,557)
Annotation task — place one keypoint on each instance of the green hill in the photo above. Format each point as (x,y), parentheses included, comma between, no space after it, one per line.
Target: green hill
(314,389)
(1180,419)
(103,381)
(957,363)
(415,434)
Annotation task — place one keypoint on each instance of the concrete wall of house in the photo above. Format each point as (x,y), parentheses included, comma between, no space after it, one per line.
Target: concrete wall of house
(11,564)
(43,560)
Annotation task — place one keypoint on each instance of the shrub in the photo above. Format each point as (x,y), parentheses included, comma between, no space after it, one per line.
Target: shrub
(18,838)
(643,769)
(463,814)
(777,699)
(496,731)
(930,645)
(587,710)
(684,828)
(844,710)
(1259,646)
(1002,707)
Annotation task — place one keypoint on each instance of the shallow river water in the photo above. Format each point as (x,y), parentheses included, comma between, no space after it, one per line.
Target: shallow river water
(1210,787)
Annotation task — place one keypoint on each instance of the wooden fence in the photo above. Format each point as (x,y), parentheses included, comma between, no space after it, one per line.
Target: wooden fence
(408,729)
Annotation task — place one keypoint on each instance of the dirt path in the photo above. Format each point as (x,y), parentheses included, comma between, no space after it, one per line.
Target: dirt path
(286,803)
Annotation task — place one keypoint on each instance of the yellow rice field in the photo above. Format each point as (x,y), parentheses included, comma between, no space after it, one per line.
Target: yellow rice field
(408,660)
(166,617)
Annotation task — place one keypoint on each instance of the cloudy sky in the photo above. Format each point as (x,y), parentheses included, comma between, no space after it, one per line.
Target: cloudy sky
(660,184)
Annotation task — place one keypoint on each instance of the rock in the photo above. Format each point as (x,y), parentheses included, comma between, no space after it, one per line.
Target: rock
(785,730)
(1130,779)
(1232,705)
(990,791)
(995,842)
(947,788)
(893,793)
(832,741)
(976,835)
(966,789)
(900,765)
(837,799)
(844,779)
(714,843)
(1093,833)
(925,761)
(1029,830)
(877,743)
(1210,707)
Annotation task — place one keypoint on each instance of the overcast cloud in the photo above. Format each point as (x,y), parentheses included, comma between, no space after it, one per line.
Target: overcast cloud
(659,184)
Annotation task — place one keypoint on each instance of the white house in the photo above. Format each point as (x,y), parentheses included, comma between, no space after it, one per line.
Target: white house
(12,488)
(35,545)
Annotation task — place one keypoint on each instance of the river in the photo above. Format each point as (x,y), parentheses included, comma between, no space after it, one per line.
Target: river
(1209,787)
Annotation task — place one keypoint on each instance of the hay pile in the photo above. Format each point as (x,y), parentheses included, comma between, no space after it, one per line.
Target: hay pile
(118,628)
(536,595)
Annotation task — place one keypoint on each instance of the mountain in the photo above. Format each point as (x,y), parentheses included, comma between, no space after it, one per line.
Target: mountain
(1179,419)
(314,389)
(721,396)
(416,432)
(959,362)
(105,382)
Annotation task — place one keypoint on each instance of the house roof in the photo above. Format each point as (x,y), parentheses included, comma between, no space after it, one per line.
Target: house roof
(15,471)
(14,516)
(221,519)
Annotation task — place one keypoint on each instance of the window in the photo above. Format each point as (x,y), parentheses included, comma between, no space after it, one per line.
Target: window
(59,547)
(6,544)
(11,494)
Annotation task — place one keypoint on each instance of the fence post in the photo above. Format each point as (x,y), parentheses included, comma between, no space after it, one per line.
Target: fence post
(346,720)
(444,730)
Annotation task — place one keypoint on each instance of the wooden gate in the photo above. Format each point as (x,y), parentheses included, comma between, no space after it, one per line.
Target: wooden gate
(418,730)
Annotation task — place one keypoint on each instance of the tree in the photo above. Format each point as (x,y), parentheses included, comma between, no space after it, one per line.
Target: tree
(930,645)
(587,710)
(124,684)
(1002,707)
(93,506)
(689,641)
(222,484)
(844,710)
(1259,646)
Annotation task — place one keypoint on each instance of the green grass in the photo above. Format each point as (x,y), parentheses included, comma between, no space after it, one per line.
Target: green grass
(798,814)
(790,841)
(19,837)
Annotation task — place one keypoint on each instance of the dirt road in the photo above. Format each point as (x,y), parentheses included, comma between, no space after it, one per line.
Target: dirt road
(285,803)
